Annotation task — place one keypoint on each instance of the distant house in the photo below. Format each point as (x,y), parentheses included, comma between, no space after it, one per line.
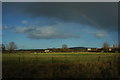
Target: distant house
(93,49)
(98,48)
(89,49)
(46,51)
(110,49)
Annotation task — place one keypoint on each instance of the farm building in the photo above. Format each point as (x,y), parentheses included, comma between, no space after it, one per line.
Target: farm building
(46,51)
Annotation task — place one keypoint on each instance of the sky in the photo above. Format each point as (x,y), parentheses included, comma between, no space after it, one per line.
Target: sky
(39,25)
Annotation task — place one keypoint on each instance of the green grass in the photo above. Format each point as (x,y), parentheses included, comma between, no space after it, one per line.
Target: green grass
(63,65)
(60,57)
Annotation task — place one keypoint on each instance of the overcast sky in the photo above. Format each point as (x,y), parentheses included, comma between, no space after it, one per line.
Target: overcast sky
(48,25)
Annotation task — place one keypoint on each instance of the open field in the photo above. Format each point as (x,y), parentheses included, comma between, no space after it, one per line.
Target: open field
(61,65)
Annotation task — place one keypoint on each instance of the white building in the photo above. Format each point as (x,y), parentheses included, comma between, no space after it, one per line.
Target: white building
(89,49)
(46,51)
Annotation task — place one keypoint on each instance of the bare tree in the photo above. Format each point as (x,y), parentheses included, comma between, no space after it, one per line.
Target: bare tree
(114,46)
(3,47)
(64,46)
(105,46)
(12,46)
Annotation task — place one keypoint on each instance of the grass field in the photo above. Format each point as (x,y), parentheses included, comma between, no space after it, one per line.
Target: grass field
(61,65)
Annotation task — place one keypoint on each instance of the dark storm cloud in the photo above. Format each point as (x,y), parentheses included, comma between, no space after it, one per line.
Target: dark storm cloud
(99,15)
(102,15)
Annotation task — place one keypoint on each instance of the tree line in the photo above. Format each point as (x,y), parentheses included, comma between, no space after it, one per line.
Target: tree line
(105,48)
(11,46)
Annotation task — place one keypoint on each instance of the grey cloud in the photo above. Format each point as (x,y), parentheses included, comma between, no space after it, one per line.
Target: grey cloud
(5,27)
(99,15)
(24,21)
(97,33)
(101,34)
(23,29)
(43,33)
